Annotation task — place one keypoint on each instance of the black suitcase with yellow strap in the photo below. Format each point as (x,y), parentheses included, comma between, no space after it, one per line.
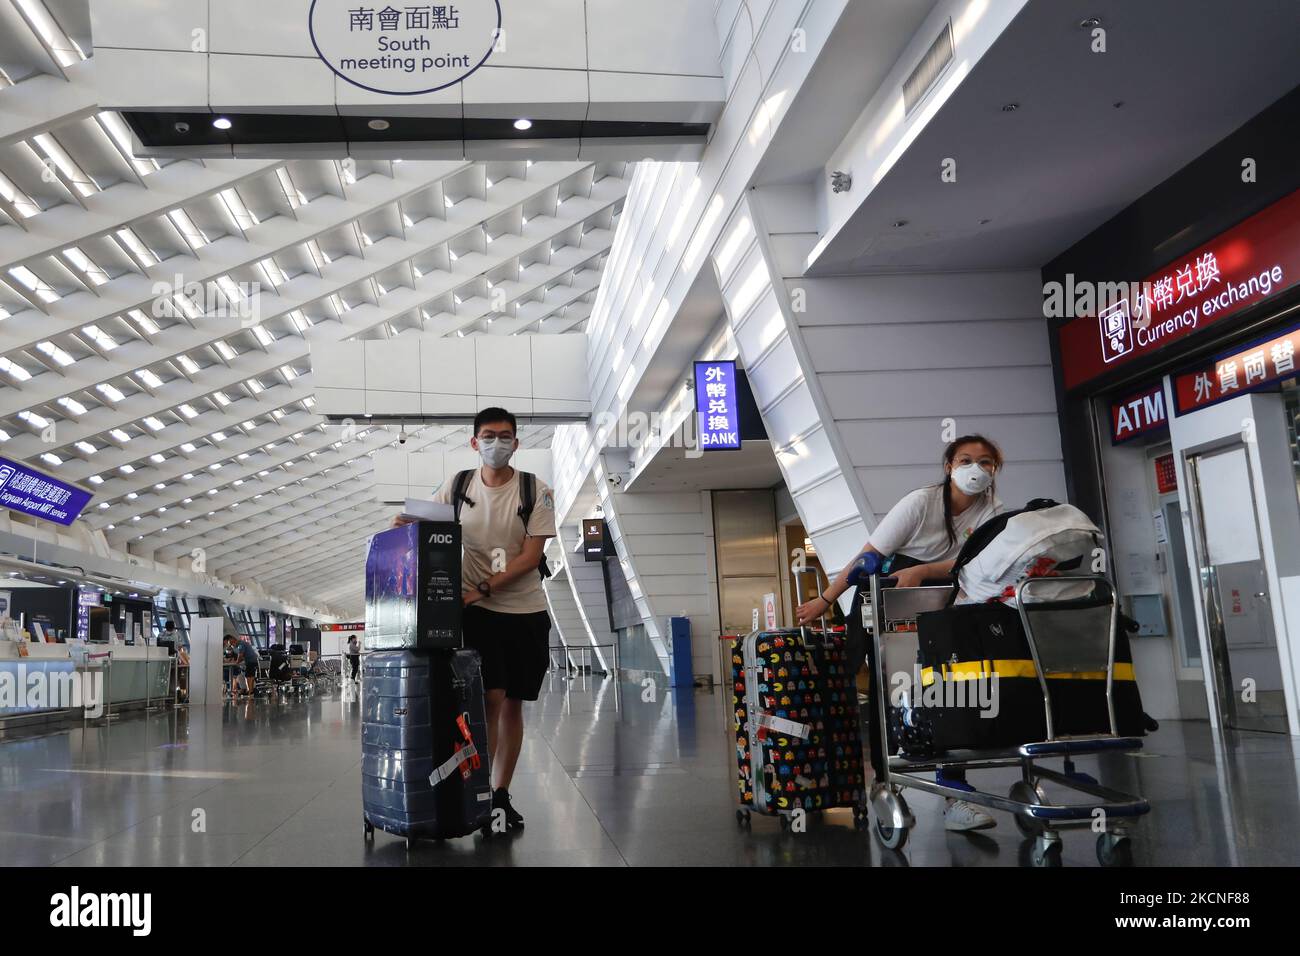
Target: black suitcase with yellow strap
(979,688)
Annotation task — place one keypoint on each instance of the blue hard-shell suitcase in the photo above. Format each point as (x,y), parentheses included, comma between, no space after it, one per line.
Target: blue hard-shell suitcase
(420,776)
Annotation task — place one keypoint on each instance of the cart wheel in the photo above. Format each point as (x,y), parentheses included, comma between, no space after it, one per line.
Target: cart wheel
(1046,853)
(1114,849)
(1033,795)
(742,818)
(368,828)
(893,818)
(891,837)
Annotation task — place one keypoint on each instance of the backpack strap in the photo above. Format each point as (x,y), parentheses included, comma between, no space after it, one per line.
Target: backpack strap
(527,497)
(527,502)
(458,496)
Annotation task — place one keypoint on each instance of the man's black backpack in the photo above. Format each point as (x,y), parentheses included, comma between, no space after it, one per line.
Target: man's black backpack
(527,501)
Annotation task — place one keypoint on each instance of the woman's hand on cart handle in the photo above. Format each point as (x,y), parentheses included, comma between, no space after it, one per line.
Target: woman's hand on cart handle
(924,574)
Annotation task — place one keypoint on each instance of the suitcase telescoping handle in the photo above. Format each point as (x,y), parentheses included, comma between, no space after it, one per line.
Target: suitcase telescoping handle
(805,633)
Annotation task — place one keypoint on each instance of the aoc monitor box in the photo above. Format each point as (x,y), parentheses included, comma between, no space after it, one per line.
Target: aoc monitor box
(413,588)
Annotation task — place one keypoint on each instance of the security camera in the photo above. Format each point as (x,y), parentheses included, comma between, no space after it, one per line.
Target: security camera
(615,480)
(182,127)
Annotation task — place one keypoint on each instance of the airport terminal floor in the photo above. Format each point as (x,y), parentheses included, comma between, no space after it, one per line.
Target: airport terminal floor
(605,779)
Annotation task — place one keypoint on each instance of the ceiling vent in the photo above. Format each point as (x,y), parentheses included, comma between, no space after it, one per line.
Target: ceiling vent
(928,71)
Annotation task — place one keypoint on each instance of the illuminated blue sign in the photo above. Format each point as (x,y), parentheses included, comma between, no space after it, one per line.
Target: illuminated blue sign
(717,406)
(32,493)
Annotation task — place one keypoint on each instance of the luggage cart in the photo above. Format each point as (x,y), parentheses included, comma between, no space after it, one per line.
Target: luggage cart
(1061,640)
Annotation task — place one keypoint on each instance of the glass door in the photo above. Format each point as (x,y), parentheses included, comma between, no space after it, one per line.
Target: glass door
(1235,591)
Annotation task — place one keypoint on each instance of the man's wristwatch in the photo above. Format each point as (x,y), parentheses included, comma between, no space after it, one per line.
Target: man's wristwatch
(485,589)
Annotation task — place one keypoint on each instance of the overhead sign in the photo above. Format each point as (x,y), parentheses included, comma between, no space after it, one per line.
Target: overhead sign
(1263,363)
(1254,260)
(1138,415)
(717,406)
(344,627)
(404,49)
(31,492)
(593,539)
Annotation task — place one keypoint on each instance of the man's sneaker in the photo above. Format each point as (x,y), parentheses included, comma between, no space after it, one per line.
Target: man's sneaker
(962,817)
(501,801)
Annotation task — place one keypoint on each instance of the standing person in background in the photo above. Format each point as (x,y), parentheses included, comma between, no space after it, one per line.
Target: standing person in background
(924,533)
(246,656)
(506,517)
(353,653)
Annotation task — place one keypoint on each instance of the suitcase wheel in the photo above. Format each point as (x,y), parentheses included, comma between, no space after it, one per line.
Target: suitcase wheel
(1114,849)
(860,818)
(368,828)
(742,818)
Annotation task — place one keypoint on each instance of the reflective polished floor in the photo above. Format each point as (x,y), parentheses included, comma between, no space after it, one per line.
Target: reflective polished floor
(606,778)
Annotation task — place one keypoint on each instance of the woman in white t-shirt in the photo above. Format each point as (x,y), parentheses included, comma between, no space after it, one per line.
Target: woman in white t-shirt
(923,533)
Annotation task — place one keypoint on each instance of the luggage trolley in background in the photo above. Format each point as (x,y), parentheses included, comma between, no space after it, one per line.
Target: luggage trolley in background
(1066,636)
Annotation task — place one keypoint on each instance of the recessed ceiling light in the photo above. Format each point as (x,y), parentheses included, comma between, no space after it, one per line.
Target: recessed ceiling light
(222,122)
(379,124)
(523,125)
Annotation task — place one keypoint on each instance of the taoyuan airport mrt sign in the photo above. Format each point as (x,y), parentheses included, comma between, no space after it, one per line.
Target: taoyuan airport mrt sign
(403,49)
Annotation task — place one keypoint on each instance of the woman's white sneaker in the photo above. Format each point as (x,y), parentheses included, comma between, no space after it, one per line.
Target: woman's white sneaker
(962,817)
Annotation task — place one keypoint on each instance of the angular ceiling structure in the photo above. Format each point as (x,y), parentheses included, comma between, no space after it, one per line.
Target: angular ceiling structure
(157,315)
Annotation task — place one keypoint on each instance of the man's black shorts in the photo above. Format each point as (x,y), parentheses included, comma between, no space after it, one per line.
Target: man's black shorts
(250,669)
(515,649)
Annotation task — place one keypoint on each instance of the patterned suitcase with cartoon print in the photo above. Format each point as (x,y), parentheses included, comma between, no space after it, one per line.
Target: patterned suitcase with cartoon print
(798,745)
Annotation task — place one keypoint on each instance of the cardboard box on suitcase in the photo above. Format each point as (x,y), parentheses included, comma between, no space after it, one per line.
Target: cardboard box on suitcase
(413,587)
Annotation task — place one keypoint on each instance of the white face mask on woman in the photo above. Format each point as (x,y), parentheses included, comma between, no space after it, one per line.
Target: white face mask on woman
(971,478)
(496,452)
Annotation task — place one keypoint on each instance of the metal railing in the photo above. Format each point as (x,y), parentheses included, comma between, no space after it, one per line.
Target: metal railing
(576,659)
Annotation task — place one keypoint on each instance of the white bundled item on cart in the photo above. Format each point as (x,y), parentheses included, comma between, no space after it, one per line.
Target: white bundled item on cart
(1045,540)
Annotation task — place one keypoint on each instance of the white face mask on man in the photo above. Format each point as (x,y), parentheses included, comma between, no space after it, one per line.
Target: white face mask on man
(971,478)
(496,452)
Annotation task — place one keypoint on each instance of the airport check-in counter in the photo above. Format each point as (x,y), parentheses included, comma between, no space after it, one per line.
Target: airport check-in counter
(133,674)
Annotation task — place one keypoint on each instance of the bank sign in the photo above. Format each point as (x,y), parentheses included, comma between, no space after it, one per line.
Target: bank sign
(403,49)
(1254,260)
(32,493)
(717,406)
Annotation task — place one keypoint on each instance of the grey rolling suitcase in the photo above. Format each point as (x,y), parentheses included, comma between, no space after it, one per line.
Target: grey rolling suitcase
(424,759)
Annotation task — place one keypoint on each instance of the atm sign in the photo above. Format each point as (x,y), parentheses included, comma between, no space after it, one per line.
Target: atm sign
(1138,415)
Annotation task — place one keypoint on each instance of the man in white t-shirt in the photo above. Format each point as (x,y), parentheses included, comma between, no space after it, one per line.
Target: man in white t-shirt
(506,518)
